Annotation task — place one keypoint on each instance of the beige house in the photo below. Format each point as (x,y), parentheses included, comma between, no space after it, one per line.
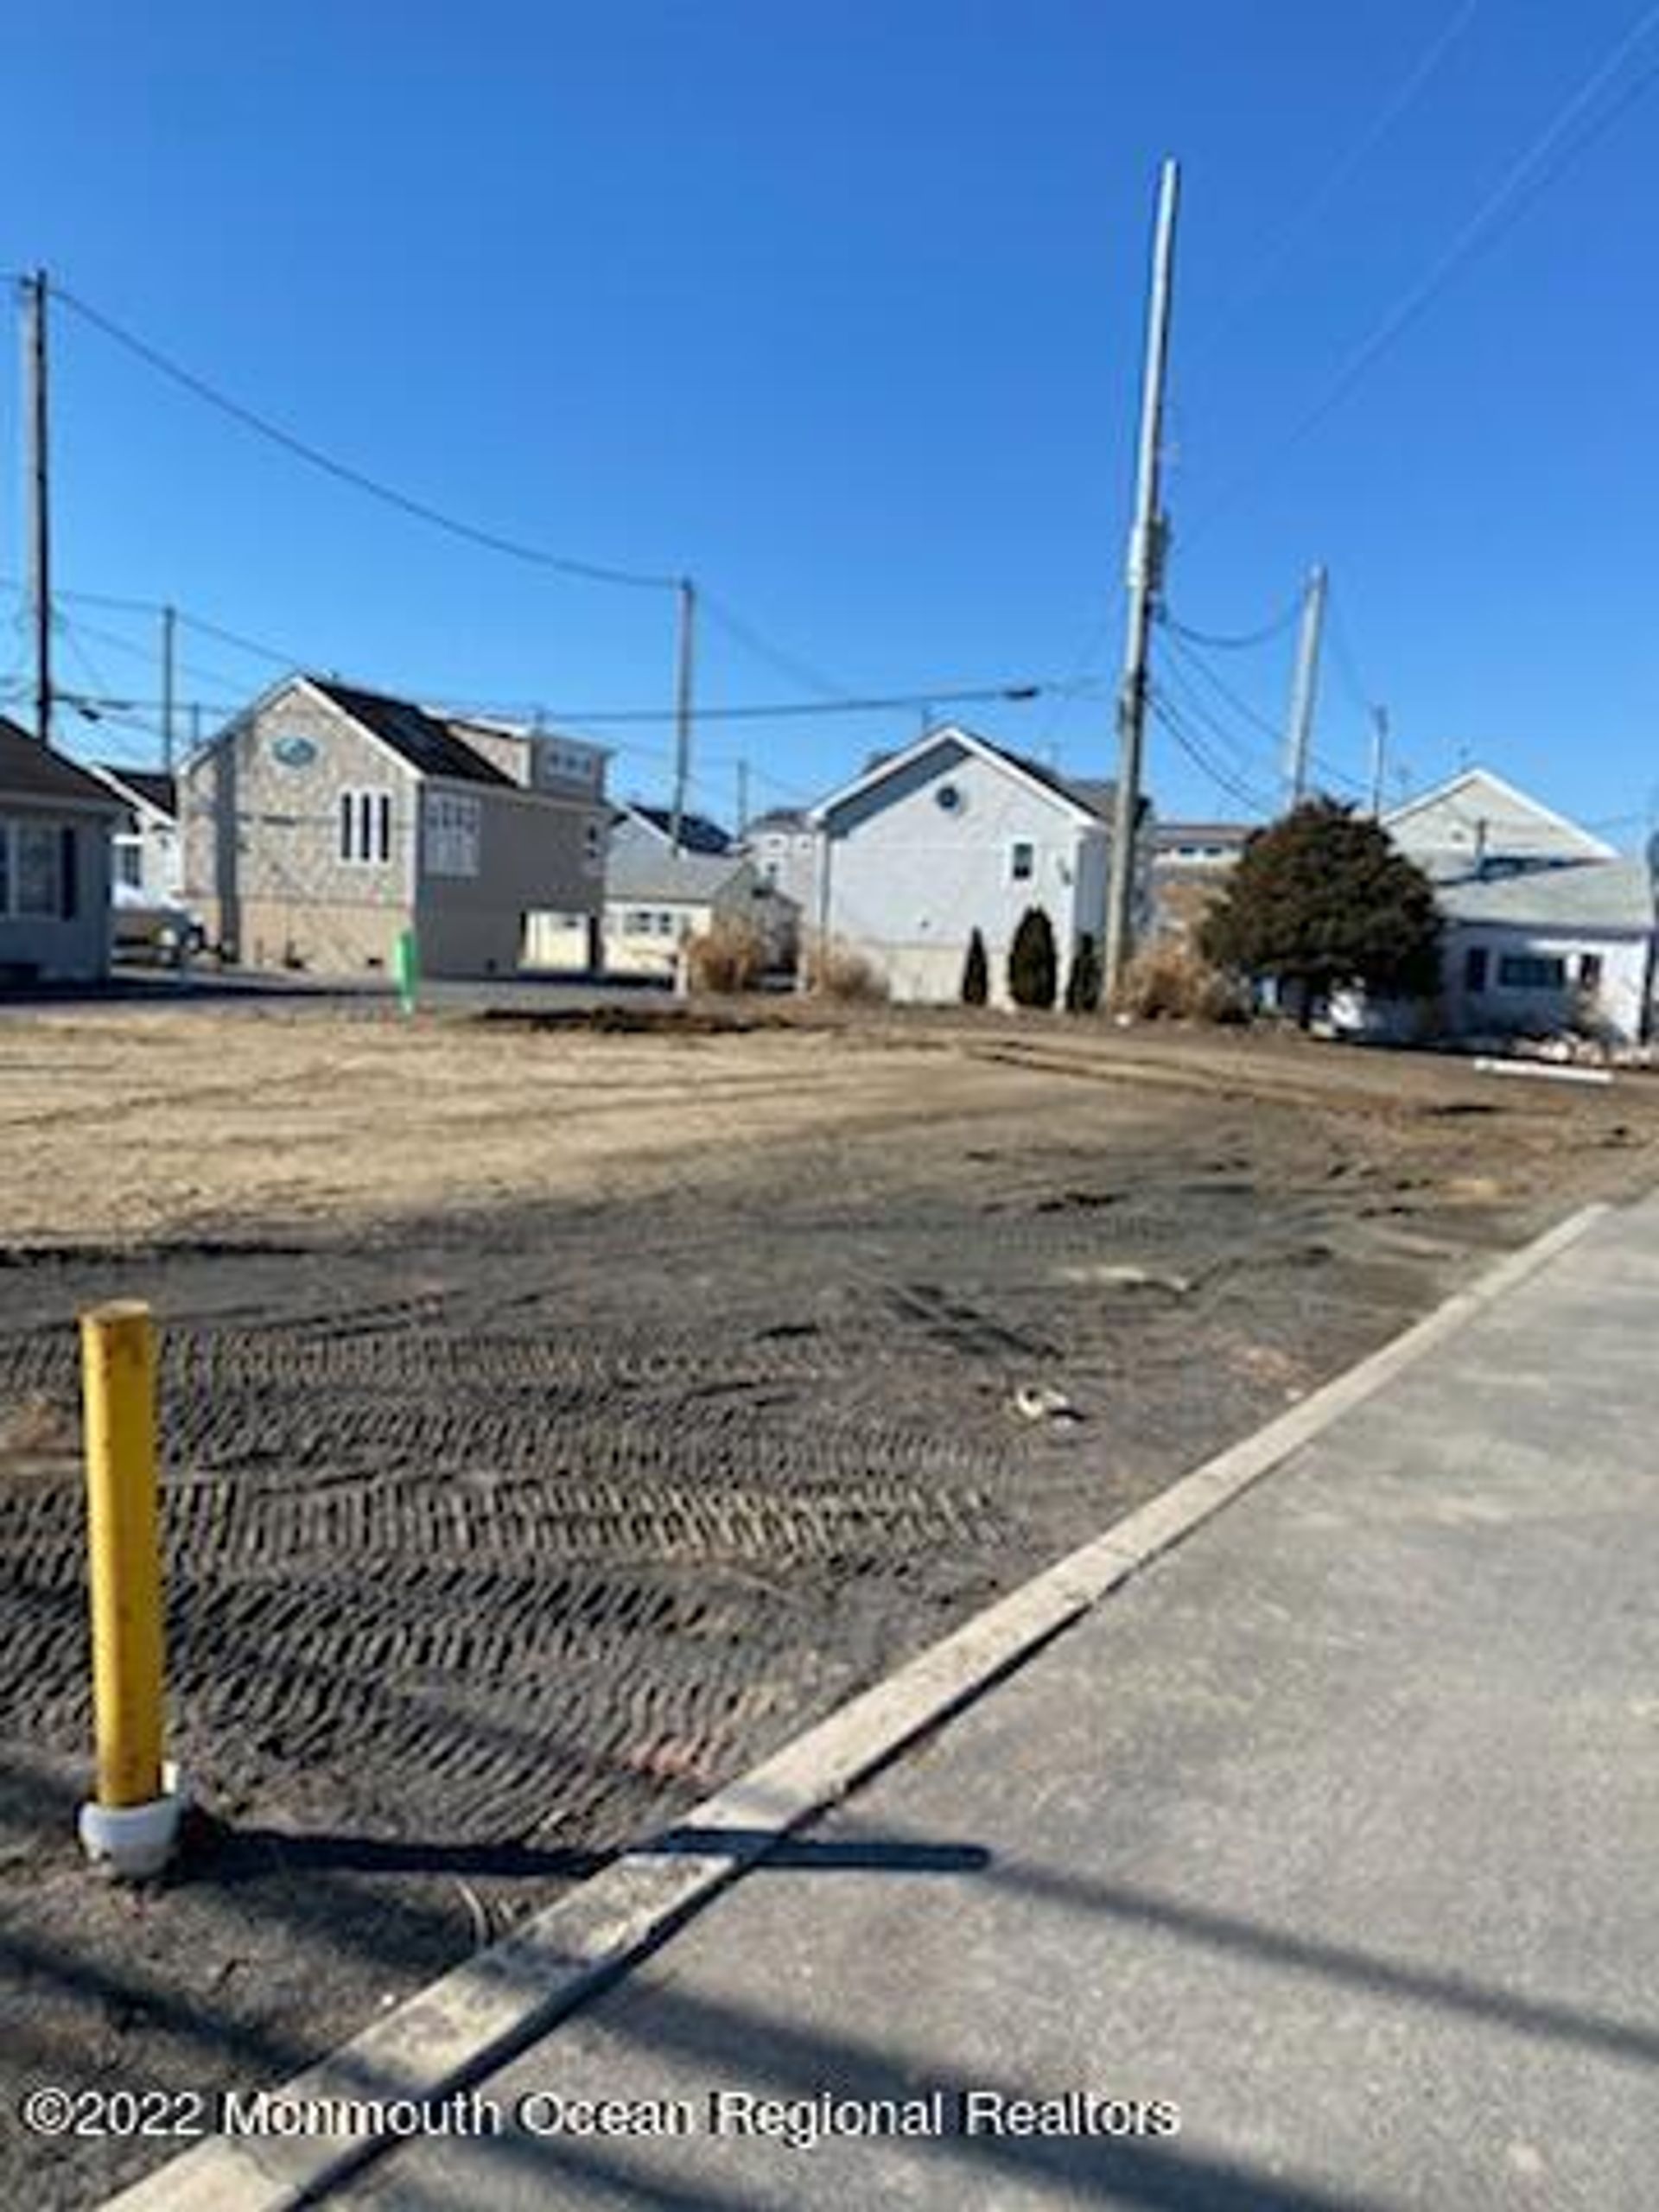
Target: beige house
(325,820)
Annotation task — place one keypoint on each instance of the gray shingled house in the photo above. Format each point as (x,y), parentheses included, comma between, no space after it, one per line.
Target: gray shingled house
(56,824)
(325,819)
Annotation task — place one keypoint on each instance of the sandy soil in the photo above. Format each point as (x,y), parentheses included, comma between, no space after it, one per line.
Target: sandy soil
(554,1420)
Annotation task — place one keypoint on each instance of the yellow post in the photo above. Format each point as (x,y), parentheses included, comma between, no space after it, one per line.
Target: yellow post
(119,1380)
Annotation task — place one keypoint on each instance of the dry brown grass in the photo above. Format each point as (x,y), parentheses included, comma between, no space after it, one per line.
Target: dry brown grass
(1172,982)
(730,957)
(837,971)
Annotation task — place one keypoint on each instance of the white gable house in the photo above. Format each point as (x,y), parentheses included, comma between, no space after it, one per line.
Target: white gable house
(951,835)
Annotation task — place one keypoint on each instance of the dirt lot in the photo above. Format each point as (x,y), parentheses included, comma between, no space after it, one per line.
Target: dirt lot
(555,1419)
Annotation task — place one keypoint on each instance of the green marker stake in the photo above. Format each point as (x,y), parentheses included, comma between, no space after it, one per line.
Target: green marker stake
(406,966)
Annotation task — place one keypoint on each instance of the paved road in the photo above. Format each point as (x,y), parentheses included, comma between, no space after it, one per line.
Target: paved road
(1336,1828)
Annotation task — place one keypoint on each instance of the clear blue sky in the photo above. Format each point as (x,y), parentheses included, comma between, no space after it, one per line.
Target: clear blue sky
(839,307)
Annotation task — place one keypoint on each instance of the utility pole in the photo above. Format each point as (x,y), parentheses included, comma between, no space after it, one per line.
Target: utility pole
(1146,544)
(1298,734)
(40,512)
(688,601)
(742,797)
(169,645)
(1379,757)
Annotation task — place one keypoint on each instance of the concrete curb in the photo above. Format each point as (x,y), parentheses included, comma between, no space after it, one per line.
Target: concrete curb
(471,2021)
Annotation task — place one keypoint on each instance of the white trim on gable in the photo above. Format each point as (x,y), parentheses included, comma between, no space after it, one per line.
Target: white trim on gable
(953,733)
(1455,787)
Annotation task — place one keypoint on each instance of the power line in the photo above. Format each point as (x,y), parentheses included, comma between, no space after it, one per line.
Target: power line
(342,472)
(1240,642)
(1272,258)
(798,670)
(1482,229)
(1008,694)
(1234,786)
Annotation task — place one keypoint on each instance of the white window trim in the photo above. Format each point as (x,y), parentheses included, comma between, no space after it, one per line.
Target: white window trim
(363,825)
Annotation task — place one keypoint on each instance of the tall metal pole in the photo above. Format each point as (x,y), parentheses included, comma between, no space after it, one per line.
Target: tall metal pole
(1147,541)
(169,646)
(742,797)
(1298,734)
(1379,757)
(688,598)
(40,512)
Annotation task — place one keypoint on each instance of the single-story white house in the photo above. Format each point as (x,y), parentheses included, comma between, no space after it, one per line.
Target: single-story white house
(1548,929)
(657,898)
(955,834)
(1550,949)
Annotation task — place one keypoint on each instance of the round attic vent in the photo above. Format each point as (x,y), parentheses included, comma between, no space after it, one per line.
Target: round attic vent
(949,796)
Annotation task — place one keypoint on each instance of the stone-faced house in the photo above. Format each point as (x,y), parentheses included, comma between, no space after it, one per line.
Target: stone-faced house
(55,823)
(955,834)
(325,820)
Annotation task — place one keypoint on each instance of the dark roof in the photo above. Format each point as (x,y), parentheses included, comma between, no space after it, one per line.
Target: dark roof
(697,833)
(147,783)
(31,770)
(1095,795)
(421,739)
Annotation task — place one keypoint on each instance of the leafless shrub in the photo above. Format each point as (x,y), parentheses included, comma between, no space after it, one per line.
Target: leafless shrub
(837,971)
(729,957)
(1174,982)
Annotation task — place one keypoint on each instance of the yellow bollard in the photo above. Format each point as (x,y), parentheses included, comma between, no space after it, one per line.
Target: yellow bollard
(118,1381)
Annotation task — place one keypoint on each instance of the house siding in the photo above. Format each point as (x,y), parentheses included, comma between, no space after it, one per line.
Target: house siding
(907,879)
(532,860)
(264,865)
(1620,999)
(262,843)
(63,949)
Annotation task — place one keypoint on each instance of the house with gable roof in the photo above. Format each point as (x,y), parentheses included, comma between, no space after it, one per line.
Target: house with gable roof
(953,834)
(325,819)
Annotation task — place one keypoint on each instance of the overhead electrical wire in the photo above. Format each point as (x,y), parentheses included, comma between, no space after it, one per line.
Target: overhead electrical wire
(1168,718)
(342,472)
(1270,259)
(1536,168)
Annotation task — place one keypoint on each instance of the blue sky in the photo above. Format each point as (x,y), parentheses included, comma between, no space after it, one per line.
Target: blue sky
(839,308)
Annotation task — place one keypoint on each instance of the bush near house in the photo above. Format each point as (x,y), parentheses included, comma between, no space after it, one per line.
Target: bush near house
(1321,900)
(837,971)
(730,956)
(976,973)
(1083,984)
(1167,982)
(1033,964)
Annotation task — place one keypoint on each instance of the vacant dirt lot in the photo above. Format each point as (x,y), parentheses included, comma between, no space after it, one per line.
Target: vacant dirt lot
(555,1419)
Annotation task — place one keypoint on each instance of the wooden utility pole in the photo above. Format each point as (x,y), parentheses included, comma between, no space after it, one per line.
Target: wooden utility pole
(40,510)
(1298,734)
(169,648)
(1379,757)
(1146,543)
(687,600)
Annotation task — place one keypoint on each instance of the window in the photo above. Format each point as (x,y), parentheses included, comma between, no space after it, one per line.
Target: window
(130,862)
(1475,963)
(593,840)
(38,888)
(636,923)
(365,827)
(1530,971)
(37,870)
(1589,972)
(454,827)
(1022,860)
